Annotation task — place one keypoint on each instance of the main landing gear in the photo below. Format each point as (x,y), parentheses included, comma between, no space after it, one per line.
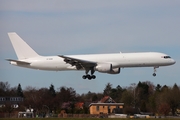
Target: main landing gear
(154,74)
(89,76)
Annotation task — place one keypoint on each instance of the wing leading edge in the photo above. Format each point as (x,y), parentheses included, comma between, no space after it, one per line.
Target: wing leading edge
(79,63)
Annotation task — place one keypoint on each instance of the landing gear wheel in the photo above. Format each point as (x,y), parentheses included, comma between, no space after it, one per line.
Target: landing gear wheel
(89,77)
(93,77)
(154,74)
(84,76)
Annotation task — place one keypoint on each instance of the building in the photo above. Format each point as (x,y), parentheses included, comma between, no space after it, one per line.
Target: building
(106,106)
(13,101)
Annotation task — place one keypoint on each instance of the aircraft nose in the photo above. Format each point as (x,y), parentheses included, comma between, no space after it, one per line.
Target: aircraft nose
(173,61)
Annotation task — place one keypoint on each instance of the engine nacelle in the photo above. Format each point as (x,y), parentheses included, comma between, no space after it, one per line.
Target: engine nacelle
(107,68)
(104,67)
(115,71)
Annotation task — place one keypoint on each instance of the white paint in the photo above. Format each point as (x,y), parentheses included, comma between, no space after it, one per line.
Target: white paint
(28,58)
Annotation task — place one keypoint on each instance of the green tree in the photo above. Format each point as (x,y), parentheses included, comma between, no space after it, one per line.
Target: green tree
(158,88)
(107,89)
(174,98)
(4,88)
(66,94)
(94,97)
(113,93)
(142,95)
(164,88)
(119,91)
(127,97)
(152,102)
(169,96)
(19,91)
(143,90)
(52,91)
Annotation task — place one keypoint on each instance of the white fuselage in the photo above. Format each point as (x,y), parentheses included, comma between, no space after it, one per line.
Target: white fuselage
(118,60)
(105,63)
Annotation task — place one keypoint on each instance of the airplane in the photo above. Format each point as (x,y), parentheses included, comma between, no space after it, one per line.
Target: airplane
(104,63)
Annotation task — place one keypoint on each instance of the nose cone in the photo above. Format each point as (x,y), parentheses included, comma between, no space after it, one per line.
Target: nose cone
(173,61)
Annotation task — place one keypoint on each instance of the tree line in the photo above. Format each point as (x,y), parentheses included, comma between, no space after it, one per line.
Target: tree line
(143,96)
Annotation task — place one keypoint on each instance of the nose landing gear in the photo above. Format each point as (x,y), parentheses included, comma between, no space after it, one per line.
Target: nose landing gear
(154,74)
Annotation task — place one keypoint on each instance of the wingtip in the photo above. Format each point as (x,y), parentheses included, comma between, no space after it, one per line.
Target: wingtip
(8,59)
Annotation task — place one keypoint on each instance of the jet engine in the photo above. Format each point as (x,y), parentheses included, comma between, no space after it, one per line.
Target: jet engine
(107,68)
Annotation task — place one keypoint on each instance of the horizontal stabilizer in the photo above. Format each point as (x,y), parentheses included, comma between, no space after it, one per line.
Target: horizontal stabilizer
(18,62)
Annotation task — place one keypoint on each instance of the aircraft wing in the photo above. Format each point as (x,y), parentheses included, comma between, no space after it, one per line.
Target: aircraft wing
(18,62)
(79,63)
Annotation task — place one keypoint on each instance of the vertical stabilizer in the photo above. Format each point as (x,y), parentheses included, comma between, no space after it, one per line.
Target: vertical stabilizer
(22,49)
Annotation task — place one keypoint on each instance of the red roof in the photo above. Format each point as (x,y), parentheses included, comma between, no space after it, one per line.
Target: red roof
(107,99)
(79,105)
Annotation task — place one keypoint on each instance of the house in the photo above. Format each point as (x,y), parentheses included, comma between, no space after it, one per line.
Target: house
(106,106)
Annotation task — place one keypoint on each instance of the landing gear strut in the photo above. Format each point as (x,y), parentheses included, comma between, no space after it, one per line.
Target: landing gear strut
(89,76)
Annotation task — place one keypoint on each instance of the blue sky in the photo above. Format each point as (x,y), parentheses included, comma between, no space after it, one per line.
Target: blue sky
(83,27)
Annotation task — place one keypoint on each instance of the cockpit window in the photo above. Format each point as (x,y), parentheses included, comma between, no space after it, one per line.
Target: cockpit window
(166,57)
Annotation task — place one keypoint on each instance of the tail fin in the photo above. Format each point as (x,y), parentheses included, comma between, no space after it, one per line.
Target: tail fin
(22,49)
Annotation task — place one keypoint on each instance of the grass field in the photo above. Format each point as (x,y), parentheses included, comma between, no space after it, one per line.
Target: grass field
(89,118)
